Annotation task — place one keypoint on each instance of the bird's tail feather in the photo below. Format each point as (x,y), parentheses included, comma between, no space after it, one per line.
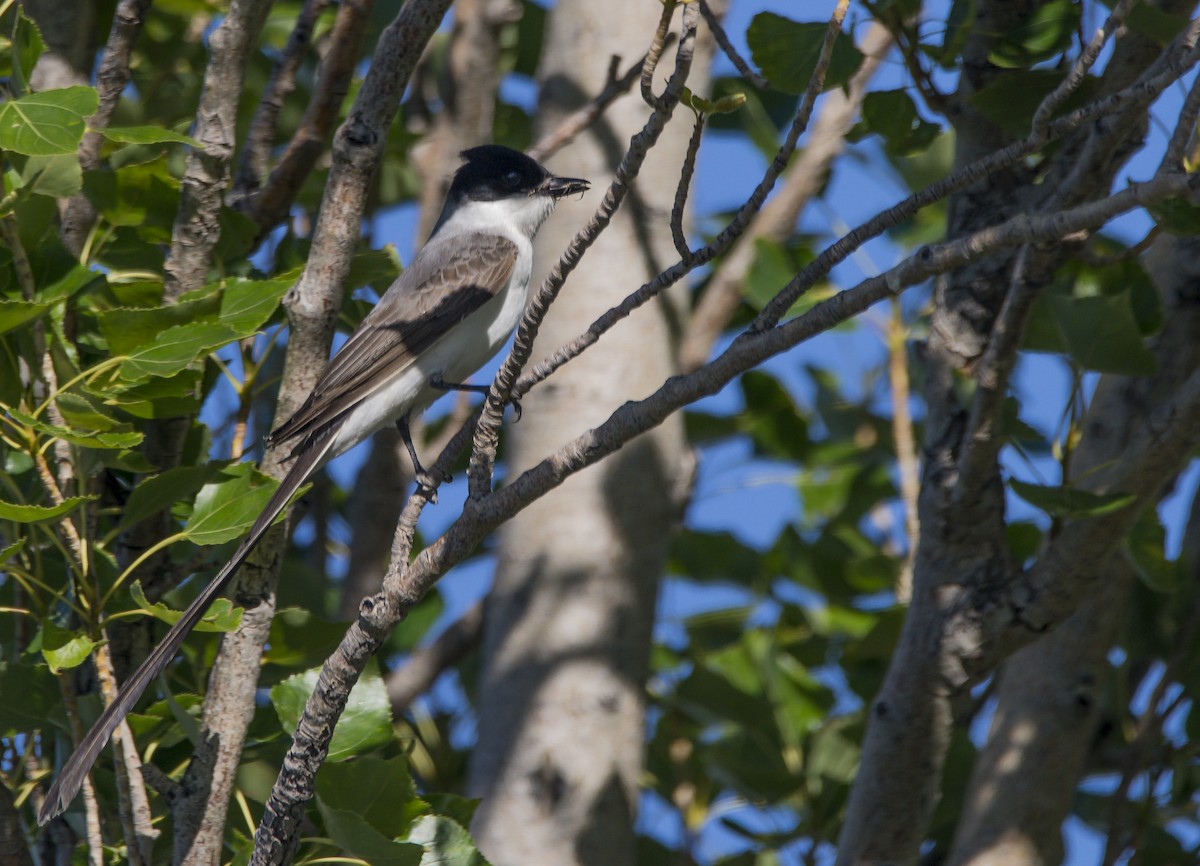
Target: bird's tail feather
(70,777)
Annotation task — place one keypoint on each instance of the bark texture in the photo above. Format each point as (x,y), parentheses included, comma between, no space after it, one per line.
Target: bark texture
(1049,702)
(567,631)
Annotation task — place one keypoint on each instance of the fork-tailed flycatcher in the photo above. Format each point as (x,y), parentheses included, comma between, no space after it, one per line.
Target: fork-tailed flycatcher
(443,318)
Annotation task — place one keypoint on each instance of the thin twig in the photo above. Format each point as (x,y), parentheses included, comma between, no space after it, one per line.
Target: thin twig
(657,44)
(487,431)
(576,122)
(983,438)
(252,164)
(681,191)
(269,206)
(1083,64)
(718,32)
(776,221)
(718,245)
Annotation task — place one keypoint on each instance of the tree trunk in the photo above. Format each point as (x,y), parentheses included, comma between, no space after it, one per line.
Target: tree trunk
(568,625)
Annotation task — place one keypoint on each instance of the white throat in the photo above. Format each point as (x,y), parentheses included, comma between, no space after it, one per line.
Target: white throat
(518,218)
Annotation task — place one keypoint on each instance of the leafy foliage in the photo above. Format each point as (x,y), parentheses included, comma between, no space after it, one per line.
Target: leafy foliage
(759,691)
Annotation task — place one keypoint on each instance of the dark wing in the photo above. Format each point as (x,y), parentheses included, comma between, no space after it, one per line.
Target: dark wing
(447,282)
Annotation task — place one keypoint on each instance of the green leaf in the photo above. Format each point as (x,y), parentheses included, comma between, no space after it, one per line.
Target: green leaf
(225,509)
(27,46)
(301,639)
(41,699)
(123,437)
(14,314)
(58,176)
(1149,20)
(350,832)
(445,841)
(40,513)
(46,123)
(893,115)
(146,135)
(1010,100)
(959,23)
(175,349)
(127,330)
(1070,501)
(221,616)
(64,649)
(1177,216)
(1145,548)
(163,490)
(379,790)
(246,305)
(1100,333)
(11,550)
(707,556)
(365,724)
(772,418)
(787,52)
(1047,31)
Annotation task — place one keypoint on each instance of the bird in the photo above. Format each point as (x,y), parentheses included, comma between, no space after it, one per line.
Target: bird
(442,319)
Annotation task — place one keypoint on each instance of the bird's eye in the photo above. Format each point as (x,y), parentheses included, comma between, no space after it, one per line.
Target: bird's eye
(512,178)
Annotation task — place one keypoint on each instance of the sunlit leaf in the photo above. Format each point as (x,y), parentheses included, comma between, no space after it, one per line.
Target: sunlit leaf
(46,123)
(222,615)
(225,509)
(787,52)
(40,513)
(365,724)
(64,649)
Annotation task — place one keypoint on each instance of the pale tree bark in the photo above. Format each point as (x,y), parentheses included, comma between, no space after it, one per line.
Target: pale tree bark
(1048,703)
(568,624)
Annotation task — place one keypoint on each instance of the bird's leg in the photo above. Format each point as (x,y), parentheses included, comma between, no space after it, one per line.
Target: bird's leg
(442,385)
(423,476)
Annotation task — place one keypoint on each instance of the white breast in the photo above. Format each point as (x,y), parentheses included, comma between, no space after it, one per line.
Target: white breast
(454,359)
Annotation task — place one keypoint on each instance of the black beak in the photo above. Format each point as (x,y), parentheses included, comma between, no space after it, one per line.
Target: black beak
(557,187)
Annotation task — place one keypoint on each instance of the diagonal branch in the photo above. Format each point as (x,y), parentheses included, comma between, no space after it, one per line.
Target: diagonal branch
(256,150)
(487,432)
(407,582)
(269,205)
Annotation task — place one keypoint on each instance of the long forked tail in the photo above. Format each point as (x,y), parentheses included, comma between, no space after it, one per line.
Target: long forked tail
(70,777)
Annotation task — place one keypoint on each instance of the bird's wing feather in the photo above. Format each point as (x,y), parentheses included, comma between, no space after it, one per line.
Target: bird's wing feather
(445,284)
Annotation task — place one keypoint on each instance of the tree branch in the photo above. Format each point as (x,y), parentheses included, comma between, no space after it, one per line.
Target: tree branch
(718,32)
(424,665)
(269,205)
(256,150)
(550,143)
(111,78)
(487,431)
(804,177)
(197,228)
